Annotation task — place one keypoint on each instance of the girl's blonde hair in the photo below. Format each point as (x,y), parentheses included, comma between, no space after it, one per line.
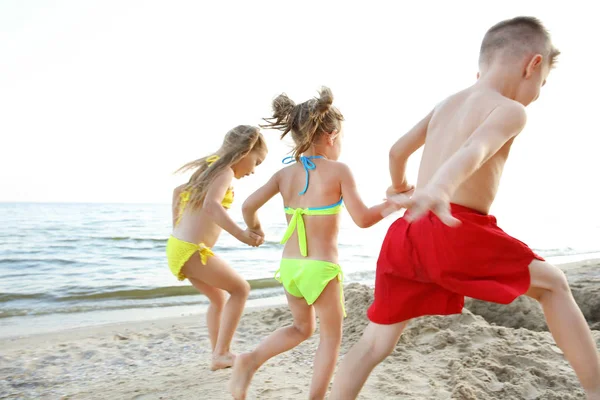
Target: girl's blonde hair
(307,121)
(238,143)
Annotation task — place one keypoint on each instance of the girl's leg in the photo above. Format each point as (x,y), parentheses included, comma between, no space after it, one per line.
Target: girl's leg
(218,274)
(217,300)
(331,316)
(281,340)
(571,332)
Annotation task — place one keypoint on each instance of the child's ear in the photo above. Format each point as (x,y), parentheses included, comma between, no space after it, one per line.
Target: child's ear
(534,64)
(331,138)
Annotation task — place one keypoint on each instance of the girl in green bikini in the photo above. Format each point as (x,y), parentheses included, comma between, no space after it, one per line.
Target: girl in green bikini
(313,188)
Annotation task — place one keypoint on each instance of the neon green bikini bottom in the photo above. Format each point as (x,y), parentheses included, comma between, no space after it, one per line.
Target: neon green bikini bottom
(307,278)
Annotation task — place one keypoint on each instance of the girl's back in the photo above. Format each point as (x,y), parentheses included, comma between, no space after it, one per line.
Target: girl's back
(195,225)
(312,189)
(324,190)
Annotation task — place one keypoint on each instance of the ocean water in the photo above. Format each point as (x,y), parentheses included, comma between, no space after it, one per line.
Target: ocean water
(69,265)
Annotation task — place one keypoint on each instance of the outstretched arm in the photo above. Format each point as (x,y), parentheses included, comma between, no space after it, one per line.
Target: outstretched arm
(258,199)
(362,216)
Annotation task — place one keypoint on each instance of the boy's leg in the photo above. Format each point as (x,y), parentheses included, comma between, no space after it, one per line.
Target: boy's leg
(376,343)
(566,323)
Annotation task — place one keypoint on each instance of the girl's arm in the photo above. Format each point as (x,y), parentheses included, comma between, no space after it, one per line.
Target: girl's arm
(212,205)
(175,203)
(362,216)
(258,199)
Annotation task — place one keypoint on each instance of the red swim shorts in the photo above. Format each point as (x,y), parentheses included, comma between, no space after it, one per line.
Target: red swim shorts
(427,268)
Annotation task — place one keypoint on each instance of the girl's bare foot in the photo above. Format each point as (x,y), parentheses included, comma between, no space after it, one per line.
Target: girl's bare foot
(222,361)
(243,370)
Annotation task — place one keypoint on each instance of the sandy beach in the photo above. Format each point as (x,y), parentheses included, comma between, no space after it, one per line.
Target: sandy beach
(488,352)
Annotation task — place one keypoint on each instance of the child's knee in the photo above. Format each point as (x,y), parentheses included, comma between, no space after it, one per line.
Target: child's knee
(242,289)
(557,280)
(376,349)
(330,333)
(305,328)
(546,278)
(218,300)
(560,282)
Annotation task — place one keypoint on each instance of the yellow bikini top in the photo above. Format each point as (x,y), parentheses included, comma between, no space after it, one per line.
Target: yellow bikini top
(184,196)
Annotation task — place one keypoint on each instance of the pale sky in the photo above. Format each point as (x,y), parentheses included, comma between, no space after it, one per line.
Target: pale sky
(100,101)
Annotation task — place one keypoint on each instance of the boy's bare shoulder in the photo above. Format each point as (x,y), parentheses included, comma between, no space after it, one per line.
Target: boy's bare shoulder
(481,104)
(509,112)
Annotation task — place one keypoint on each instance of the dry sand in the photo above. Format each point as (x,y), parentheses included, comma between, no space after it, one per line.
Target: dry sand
(456,357)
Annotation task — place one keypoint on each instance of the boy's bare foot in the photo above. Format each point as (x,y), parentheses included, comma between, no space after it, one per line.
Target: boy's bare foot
(222,361)
(243,370)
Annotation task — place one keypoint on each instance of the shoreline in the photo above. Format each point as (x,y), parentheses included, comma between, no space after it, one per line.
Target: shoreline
(47,324)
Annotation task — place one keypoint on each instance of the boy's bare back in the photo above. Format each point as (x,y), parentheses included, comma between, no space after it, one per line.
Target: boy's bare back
(452,124)
(468,136)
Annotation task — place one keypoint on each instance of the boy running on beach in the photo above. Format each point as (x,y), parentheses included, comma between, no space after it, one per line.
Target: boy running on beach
(446,246)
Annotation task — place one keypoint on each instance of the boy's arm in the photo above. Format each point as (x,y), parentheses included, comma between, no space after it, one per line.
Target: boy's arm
(402,150)
(175,203)
(362,216)
(256,200)
(503,124)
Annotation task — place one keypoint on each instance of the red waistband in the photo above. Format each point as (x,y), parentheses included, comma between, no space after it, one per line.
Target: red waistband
(457,208)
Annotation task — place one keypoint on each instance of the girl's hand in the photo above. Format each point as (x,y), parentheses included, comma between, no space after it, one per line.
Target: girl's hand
(258,230)
(250,238)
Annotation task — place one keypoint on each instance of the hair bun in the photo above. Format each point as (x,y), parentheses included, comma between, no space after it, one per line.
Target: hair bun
(324,101)
(282,106)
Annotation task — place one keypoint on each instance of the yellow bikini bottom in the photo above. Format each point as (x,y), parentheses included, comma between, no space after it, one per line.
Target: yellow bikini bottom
(179,252)
(308,278)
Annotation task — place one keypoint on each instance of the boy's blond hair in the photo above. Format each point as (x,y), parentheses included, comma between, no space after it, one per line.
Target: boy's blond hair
(515,38)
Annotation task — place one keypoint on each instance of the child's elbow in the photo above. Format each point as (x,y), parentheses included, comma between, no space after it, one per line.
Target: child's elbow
(363,222)
(247,208)
(396,153)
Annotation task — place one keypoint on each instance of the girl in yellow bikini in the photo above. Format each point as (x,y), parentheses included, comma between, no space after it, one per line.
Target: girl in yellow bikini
(312,188)
(199,214)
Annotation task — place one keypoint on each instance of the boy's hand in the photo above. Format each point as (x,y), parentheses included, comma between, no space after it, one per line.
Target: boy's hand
(392,206)
(423,201)
(250,238)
